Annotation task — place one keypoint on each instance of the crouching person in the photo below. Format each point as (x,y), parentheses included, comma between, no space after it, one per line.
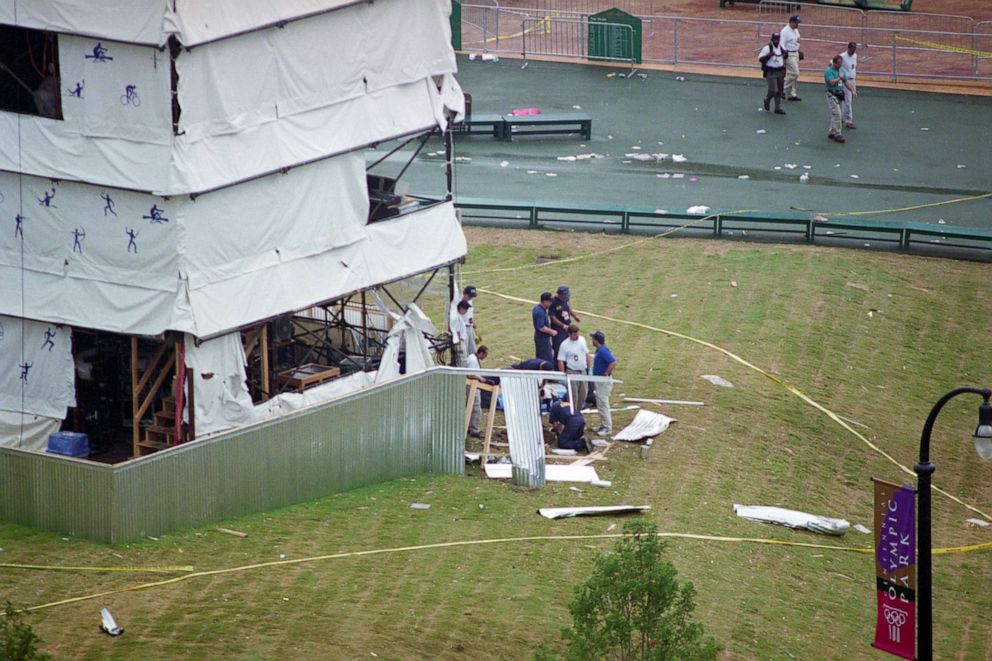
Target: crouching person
(569,425)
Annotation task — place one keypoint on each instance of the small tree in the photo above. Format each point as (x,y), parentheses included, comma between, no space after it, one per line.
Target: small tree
(18,641)
(632,607)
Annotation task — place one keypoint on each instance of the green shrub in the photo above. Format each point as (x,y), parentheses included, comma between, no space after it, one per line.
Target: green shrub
(18,641)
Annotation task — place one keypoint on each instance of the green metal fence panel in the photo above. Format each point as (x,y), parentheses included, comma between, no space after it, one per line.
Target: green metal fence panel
(407,427)
(614,35)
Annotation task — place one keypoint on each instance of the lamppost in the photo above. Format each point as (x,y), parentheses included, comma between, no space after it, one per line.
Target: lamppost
(924,471)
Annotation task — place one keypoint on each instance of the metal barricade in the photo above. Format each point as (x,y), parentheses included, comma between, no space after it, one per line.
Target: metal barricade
(570,37)
(983,49)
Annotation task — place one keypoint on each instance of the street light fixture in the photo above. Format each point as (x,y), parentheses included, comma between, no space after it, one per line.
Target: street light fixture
(924,471)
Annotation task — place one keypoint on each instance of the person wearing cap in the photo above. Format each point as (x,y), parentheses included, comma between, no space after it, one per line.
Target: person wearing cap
(543,332)
(790,42)
(573,358)
(569,424)
(836,82)
(459,334)
(603,364)
(468,294)
(850,62)
(561,316)
(772,58)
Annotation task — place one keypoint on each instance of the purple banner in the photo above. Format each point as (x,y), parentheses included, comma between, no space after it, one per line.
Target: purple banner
(895,569)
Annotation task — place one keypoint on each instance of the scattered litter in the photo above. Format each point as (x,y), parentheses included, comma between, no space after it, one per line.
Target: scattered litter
(635,147)
(679,158)
(664,175)
(867,245)
(804,178)
(791,166)
(600,443)
(550,174)
(552,472)
(533,172)
(961,167)
(524,65)
(681,79)
(941,221)
(503,164)
(576,489)
(420,506)
(871,313)
(681,402)
(489,57)
(463,159)
(603,484)
(743,177)
(698,210)
(861,529)
(472,56)
(836,165)
(282,556)
(925,128)
(820,219)
(567,512)
(733,283)
(792,519)
(718,381)
(233,533)
(777,167)
(807,167)
(108,624)
(692,179)
(611,527)
(566,158)
(760,131)
(977,522)
(854,176)
(154,539)
(660,212)
(577,107)
(609,137)
(678,175)
(646,424)
(472,457)
(525,112)
(626,162)
(611,74)
(562,452)
(674,296)
(640,157)
(481,506)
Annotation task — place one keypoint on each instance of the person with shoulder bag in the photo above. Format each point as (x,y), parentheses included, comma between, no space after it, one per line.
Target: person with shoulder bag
(836,81)
(773,58)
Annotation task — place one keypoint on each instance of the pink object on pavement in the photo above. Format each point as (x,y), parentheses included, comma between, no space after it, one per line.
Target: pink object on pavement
(521,112)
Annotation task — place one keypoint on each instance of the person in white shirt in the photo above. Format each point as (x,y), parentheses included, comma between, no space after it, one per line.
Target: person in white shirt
(459,334)
(790,42)
(573,358)
(772,58)
(850,58)
(474,361)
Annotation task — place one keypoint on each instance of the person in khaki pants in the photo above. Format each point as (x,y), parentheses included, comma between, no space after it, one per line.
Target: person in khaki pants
(790,42)
(603,364)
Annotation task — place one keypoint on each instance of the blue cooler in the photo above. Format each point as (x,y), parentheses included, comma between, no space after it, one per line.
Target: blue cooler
(69,443)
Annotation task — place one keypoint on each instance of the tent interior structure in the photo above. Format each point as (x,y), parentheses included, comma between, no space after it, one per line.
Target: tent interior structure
(191,235)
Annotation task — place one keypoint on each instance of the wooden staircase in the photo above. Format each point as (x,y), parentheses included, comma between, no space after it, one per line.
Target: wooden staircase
(162,433)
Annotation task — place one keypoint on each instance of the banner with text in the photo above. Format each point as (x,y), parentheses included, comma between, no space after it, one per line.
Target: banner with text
(895,569)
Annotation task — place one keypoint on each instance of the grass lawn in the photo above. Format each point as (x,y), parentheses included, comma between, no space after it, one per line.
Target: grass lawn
(874,337)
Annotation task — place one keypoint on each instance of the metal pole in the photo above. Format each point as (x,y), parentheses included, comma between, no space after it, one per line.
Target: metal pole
(675,38)
(894,34)
(924,584)
(449,151)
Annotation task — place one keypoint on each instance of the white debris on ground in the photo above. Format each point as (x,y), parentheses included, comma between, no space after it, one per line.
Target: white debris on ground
(743,177)
(791,166)
(861,529)
(792,519)
(646,424)
(660,212)
(566,158)
(679,158)
(718,380)
(804,177)
(981,523)
(567,512)
(678,175)
(698,210)
(550,174)
(761,131)
(664,175)
(854,176)
(961,167)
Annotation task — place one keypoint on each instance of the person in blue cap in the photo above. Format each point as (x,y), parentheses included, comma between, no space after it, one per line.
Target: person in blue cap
(543,332)
(561,316)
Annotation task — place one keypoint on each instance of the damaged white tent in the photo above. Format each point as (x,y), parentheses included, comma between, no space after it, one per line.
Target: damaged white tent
(177,179)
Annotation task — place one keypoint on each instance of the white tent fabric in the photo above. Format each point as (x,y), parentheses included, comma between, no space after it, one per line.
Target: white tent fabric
(221,398)
(26,431)
(37,375)
(293,401)
(407,334)
(137,21)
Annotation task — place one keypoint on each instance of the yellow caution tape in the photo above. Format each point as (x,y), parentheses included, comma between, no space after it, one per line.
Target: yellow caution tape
(944,47)
(878,212)
(132,569)
(963,549)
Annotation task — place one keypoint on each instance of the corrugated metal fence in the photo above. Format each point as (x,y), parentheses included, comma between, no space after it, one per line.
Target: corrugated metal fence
(406,427)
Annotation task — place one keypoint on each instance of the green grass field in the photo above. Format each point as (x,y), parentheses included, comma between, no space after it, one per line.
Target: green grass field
(874,337)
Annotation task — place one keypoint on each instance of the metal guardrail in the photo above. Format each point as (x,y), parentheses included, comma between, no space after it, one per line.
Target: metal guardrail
(893,45)
(571,37)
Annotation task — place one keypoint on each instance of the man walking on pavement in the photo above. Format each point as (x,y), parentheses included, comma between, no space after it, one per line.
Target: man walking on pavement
(773,58)
(543,332)
(790,42)
(850,61)
(603,364)
(836,82)
(574,358)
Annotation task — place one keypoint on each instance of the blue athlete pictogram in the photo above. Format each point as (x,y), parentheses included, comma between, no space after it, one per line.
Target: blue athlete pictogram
(49,336)
(25,368)
(155,215)
(99,54)
(132,246)
(108,204)
(46,201)
(77,240)
(130,96)
(19,226)
(77,91)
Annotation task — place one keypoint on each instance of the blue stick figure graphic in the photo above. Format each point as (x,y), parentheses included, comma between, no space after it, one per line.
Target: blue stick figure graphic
(46,201)
(99,54)
(77,240)
(49,335)
(131,236)
(155,215)
(18,226)
(108,204)
(25,368)
(130,96)
(77,91)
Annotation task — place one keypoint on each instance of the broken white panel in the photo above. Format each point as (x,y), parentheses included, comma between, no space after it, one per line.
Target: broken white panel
(325,392)
(522,410)
(221,398)
(646,424)
(552,473)
(407,334)
(718,380)
(37,374)
(568,512)
(792,519)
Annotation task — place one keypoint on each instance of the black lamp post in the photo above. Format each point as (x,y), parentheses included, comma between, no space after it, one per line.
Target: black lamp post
(924,470)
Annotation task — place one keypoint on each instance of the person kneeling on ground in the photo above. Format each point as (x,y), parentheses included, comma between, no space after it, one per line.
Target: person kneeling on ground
(569,424)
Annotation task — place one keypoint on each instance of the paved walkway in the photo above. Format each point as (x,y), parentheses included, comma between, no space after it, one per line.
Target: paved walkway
(910,148)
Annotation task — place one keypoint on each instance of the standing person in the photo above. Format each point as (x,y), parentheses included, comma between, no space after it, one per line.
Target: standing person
(474,361)
(835,80)
(790,42)
(850,61)
(459,333)
(468,294)
(543,332)
(561,316)
(574,358)
(603,365)
(773,58)
(569,424)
